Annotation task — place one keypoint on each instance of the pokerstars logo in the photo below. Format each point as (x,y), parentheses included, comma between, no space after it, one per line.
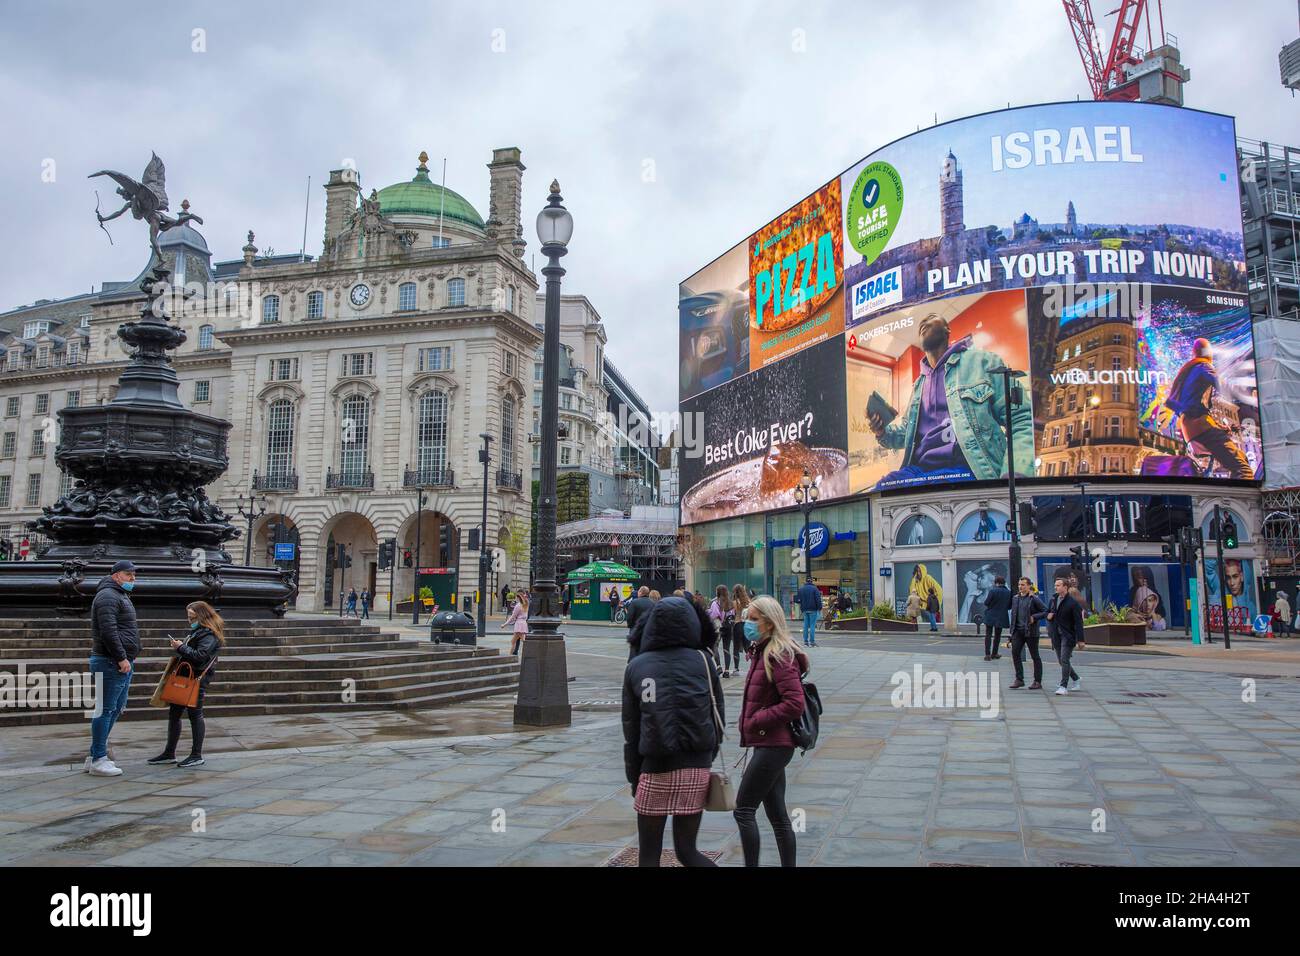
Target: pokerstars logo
(878,292)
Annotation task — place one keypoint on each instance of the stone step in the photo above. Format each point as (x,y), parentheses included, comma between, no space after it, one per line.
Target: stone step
(154,664)
(423,697)
(252,650)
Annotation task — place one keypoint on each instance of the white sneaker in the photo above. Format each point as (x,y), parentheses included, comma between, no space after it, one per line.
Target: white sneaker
(86,765)
(103,767)
(1074,684)
(1061,692)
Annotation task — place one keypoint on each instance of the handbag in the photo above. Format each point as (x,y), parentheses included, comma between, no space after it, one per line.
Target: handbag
(156,700)
(182,688)
(721,797)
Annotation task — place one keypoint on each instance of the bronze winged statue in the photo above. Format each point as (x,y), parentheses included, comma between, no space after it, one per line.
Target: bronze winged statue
(146,200)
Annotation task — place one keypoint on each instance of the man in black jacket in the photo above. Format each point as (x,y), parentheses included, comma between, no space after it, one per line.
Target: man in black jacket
(1027,609)
(116,643)
(1065,628)
(637,606)
(997,602)
(673,716)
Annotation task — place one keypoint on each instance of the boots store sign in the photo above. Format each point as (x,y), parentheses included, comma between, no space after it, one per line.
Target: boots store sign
(1110,517)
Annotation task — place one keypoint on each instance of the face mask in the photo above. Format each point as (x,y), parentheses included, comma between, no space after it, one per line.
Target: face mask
(128,585)
(751,631)
(193,625)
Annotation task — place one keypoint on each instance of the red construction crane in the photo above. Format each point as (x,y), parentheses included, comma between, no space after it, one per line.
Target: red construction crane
(1112,78)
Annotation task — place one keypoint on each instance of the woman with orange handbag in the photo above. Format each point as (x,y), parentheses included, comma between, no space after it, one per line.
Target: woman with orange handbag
(197,655)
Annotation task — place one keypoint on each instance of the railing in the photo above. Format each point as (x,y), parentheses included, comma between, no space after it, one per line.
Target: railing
(510,479)
(275,482)
(349,479)
(428,478)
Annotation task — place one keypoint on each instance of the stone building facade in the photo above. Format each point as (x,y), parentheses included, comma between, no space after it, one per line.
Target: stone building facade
(352,380)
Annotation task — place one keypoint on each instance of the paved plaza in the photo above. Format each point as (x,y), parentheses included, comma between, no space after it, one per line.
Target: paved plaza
(1158,761)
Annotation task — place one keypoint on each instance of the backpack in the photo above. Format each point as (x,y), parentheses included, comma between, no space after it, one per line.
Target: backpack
(805,727)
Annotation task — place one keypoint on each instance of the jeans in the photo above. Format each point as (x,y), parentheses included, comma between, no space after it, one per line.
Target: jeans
(809,628)
(113,702)
(1019,641)
(1064,651)
(934,621)
(764,783)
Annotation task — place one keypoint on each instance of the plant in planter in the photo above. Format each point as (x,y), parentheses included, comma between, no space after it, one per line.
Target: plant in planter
(1115,626)
(884,617)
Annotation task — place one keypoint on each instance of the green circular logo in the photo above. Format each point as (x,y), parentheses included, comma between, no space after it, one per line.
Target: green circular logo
(874,208)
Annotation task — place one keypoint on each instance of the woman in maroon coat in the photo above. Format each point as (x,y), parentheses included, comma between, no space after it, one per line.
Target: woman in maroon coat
(773,698)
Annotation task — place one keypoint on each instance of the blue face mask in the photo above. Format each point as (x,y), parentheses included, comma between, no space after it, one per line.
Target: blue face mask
(128,585)
(751,631)
(193,625)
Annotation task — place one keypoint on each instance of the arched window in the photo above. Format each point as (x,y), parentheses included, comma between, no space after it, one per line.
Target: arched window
(917,529)
(279,438)
(406,297)
(205,337)
(1207,526)
(270,309)
(354,438)
(431,435)
(983,525)
(508,413)
(315,305)
(456,291)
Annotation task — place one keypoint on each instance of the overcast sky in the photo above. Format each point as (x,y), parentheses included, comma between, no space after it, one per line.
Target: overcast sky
(675,129)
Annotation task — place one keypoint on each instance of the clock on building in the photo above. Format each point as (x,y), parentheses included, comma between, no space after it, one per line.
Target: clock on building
(360,295)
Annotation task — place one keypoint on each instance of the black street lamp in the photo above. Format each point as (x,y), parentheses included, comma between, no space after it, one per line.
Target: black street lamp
(1086,551)
(543,697)
(1011,397)
(485,456)
(256,508)
(806,494)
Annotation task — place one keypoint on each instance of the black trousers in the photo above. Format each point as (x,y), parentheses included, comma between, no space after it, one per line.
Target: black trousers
(197,727)
(764,783)
(732,641)
(686,830)
(1019,641)
(992,638)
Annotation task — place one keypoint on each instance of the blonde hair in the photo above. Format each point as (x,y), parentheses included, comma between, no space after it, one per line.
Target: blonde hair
(208,617)
(779,645)
(655,595)
(740,599)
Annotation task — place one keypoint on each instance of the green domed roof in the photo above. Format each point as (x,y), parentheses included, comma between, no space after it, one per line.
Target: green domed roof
(423,197)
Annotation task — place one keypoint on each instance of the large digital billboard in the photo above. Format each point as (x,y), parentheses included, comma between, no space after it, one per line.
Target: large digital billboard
(1094,249)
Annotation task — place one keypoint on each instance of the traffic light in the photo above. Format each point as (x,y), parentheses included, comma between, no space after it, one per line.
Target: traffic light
(1229,533)
(1078,560)
(406,558)
(1027,524)
(1170,548)
(475,535)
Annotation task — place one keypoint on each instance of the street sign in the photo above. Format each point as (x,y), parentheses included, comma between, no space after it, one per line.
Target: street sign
(1263,623)
(284,550)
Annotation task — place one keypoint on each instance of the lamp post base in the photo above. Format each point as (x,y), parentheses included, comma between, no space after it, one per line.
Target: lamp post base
(543,699)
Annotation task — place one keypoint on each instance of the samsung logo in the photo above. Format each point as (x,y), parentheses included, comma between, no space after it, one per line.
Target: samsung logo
(878,292)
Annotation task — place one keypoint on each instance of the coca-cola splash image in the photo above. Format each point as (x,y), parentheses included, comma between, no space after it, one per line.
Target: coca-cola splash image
(763,431)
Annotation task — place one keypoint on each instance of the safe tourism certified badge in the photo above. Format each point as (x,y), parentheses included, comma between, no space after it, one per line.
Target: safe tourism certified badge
(874,208)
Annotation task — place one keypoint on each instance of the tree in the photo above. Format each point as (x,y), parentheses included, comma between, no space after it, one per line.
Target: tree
(517,545)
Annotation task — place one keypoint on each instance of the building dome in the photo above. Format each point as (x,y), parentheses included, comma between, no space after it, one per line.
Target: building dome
(423,197)
(184,235)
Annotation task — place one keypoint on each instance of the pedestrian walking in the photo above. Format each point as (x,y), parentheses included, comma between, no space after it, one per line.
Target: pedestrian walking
(1282,614)
(352,602)
(913,609)
(997,604)
(634,609)
(614,600)
(673,716)
(115,644)
(1027,609)
(740,600)
(809,599)
(723,615)
(518,622)
(773,698)
(206,638)
(929,595)
(366,600)
(1065,628)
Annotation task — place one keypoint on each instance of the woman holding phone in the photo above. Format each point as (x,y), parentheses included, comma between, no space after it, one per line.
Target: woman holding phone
(199,651)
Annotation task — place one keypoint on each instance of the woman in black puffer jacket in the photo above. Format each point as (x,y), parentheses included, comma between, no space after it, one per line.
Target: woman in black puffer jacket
(207,635)
(671,734)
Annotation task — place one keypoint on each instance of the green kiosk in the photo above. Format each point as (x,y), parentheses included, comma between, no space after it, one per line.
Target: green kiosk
(589,588)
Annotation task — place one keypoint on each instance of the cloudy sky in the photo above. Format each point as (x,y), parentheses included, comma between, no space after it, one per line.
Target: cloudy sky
(675,129)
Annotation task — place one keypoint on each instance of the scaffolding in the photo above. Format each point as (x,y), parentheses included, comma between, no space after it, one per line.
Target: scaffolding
(1280,530)
(646,541)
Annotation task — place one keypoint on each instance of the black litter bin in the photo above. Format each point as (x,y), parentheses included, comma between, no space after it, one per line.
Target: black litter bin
(452,627)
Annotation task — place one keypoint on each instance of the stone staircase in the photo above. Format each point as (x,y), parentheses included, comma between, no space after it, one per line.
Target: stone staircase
(277,666)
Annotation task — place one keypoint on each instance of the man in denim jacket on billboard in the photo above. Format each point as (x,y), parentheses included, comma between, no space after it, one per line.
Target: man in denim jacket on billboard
(955,426)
